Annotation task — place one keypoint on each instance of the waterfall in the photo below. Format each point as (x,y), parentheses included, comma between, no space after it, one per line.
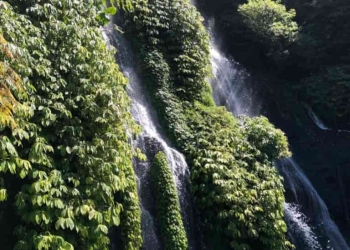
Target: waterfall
(299,231)
(306,195)
(229,89)
(151,141)
(237,97)
(319,123)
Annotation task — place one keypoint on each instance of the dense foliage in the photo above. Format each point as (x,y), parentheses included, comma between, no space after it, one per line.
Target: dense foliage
(323,52)
(264,137)
(235,179)
(313,68)
(11,83)
(332,82)
(168,207)
(235,184)
(270,20)
(69,153)
(15,129)
(66,175)
(131,235)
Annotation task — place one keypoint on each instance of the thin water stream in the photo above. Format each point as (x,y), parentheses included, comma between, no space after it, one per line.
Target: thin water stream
(316,230)
(150,142)
(309,224)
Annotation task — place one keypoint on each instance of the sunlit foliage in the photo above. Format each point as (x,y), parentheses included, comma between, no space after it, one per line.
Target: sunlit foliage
(237,189)
(270,20)
(167,203)
(75,140)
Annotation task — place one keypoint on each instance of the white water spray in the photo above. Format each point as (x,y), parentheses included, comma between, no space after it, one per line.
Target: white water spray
(151,140)
(298,228)
(319,123)
(236,97)
(229,89)
(307,196)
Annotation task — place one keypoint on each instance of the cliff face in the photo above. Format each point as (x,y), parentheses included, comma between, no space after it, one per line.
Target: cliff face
(313,72)
(323,156)
(71,152)
(315,67)
(73,174)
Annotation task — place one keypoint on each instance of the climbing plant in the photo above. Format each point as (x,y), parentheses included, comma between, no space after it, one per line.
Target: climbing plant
(236,187)
(131,235)
(168,207)
(75,140)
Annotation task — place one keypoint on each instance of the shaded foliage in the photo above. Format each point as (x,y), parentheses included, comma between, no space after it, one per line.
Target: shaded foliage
(167,203)
(313,68)
(323,52)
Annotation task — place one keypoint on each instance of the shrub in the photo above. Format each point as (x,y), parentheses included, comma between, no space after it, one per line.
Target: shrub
(270,20)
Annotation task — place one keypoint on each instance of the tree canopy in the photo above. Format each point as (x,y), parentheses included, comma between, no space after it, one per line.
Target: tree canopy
(270,20)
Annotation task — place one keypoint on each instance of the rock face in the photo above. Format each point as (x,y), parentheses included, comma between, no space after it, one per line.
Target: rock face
(322,154)
(324,157)
(153,147)
(320,150)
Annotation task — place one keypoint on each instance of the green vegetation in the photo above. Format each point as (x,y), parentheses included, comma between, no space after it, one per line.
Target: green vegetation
(131,235)
(234,178)
(68,155)
(334,83)
(300,46)
(66,175)
(265,138)
(237,189)
(10,82)
(270,20)
(168,208)
(323,52)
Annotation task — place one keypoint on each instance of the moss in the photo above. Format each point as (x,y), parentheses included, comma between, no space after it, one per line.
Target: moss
(167,203)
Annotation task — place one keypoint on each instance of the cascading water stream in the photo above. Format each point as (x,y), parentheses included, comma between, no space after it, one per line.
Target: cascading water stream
(151,141)
(300,233)
(306,195)
(229,90)
(319,123)
(235,97)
